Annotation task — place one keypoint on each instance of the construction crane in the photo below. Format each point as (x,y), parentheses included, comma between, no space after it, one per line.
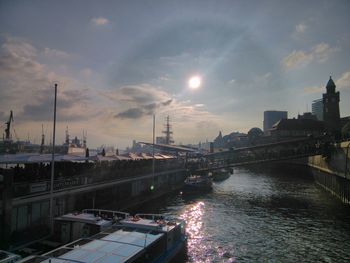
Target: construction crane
(8,127)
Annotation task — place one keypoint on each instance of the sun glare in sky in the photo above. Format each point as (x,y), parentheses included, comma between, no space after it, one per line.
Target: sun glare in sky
(194,82)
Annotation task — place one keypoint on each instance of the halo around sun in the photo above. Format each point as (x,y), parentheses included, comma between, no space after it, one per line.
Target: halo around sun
(194,82)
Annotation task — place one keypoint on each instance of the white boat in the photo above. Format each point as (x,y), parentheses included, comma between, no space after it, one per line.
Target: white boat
(139,238)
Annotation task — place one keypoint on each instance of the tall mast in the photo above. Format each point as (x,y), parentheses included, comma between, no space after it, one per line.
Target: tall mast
(84,138)
(67,136)
(168,133)
(53,161)
(153,160)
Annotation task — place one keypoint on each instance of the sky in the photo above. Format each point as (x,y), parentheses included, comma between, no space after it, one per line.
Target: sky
(117,63)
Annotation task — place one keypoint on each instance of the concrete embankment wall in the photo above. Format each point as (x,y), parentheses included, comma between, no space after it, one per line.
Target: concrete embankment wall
(333,172)
(26,217)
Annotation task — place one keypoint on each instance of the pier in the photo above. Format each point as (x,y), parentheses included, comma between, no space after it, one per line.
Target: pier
(79,184)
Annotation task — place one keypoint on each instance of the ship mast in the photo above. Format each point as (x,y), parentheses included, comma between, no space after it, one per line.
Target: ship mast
(67,136)
(168,133)
(84,138)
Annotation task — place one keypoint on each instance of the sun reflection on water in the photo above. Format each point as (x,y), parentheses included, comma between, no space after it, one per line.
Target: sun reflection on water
(200,246)
(193,216)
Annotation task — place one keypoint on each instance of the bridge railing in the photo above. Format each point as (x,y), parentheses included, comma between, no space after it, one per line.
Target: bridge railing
(267,153)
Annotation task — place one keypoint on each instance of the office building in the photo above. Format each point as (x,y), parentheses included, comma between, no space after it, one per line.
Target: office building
(317,109)
(271,117)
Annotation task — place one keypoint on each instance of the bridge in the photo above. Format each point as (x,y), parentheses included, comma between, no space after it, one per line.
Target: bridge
(264,153)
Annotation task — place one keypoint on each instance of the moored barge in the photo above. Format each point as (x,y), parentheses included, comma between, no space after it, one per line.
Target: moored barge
(132,239)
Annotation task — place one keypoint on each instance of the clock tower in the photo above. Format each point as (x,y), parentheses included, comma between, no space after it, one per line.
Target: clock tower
(331,115)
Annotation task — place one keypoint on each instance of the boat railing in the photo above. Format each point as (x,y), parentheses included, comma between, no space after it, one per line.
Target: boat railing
(110,214)
(156,217)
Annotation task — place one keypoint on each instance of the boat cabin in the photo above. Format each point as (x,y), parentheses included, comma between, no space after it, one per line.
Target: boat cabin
(73,226)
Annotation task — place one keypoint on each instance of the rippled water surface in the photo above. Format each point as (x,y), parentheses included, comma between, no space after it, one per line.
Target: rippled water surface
(264,217)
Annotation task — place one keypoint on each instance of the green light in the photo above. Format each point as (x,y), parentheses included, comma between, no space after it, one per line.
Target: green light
(152,187)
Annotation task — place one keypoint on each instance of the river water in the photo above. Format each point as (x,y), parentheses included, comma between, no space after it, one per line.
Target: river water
(257,216)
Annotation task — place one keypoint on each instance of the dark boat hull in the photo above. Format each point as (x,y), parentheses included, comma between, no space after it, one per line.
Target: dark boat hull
(198,185)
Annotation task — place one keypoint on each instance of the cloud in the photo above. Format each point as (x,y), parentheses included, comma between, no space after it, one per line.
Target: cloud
(300,31)
(232,81)
(133,113)
(145,100)
(297,59)
(139,100)
(138,95)
(318,53)
(18,48)
(344,81)
(142,110)
(314,89)
(55,54)
(166,103)
(20,72)
(300,28)
(100,21)
(144,93)
(28,84)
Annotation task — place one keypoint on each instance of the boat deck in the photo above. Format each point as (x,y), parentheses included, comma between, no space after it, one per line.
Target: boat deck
(117,245)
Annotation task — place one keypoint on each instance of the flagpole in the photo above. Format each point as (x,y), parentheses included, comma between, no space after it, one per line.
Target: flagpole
(53,161)
(154,130)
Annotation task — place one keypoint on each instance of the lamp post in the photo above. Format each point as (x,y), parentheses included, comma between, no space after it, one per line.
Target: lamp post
(53,162)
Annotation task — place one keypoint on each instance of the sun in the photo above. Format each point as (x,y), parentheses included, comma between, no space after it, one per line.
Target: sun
(194,82)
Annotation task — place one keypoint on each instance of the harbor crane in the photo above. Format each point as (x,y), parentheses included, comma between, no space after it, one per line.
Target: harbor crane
(8,126)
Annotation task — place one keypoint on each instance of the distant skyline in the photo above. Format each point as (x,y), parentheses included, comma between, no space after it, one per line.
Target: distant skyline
(117,63)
